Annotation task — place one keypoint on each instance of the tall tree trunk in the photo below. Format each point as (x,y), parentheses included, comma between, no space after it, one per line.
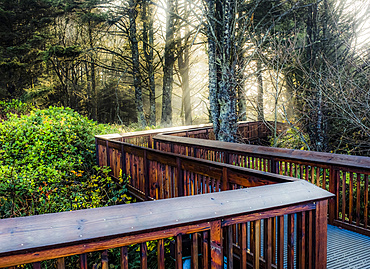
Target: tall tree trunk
(212,67)
(184,62)
(93,76)
(136,65)
(242,103)
(260,110)
(169,60)
(315,114)
(227,94)
(148,43)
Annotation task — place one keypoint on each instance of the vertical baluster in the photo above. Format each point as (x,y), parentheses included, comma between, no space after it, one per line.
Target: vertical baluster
(290,169)
(318,176)
(301,175)
(257,243)
(180,178)
(306,172)
(268,242)
(166,185)
(243,245)
(337,192)
(366,199)
(216,245)
(290,241)
(194,251)
(160,254)
(274,239)
(104,259)
(83,261)
(286,168)
(205,250)
(124,257)
(36,265)
(296,170)
(179,251)
(350,197)
(344,176)
(195,184)
(309,231)
(280,242)
(301,240)
(281,168)
(358,199)
(157,179)
(312,174)
(324,180)
(143,255)
(230,248)
(61,264)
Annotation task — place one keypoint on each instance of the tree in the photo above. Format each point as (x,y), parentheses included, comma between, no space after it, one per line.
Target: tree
(169,60)
(136,64)
(148,48)
(22,31)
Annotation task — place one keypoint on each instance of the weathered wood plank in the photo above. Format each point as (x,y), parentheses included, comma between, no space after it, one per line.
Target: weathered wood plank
(178,251)
(104,259)
(321,235)
(216,245)
(194,251)
(124,257)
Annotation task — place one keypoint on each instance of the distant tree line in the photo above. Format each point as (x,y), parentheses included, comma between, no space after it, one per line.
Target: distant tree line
(141,61)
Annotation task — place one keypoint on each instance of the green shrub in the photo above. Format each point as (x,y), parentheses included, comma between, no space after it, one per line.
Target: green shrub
(47,164)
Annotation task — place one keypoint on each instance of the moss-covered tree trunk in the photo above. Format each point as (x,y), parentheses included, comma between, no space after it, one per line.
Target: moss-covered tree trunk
(222,61)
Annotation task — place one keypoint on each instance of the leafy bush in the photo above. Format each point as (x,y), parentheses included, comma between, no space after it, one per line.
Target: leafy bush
(47,164)
(293,138)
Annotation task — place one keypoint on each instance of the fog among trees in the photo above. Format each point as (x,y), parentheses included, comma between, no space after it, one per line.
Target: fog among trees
(181,62)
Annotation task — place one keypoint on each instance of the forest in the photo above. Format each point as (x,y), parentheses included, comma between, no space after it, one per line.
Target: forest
(181,62)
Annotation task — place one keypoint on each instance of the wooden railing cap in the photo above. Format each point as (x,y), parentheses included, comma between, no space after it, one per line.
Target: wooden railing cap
(279,153)
(45,231)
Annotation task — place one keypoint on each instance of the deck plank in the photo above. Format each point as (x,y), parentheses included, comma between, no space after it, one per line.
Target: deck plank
(347,249)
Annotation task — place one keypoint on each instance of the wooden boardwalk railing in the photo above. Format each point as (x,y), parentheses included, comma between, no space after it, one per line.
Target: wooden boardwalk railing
(155,174)
(249,132)
(343,175)
(210,220)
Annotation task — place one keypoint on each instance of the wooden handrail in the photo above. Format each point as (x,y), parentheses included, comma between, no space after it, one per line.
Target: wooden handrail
(322,158)
(50,236)
(248,130)
(344,175)
(158,174)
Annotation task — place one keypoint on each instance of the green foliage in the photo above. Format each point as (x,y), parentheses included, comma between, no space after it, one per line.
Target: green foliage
(15,106)
(292,139)
(47,163)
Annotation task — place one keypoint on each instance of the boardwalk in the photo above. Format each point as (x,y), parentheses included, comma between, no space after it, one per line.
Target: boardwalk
(347,249)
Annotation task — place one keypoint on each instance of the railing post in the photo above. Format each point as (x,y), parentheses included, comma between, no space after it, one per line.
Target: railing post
(224,185)
(97,151)
(150,141)
(180,178)
(332,189)
(216,245)
(274,168)
(123,160)
(107,152)
(146,175)
(320,235)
